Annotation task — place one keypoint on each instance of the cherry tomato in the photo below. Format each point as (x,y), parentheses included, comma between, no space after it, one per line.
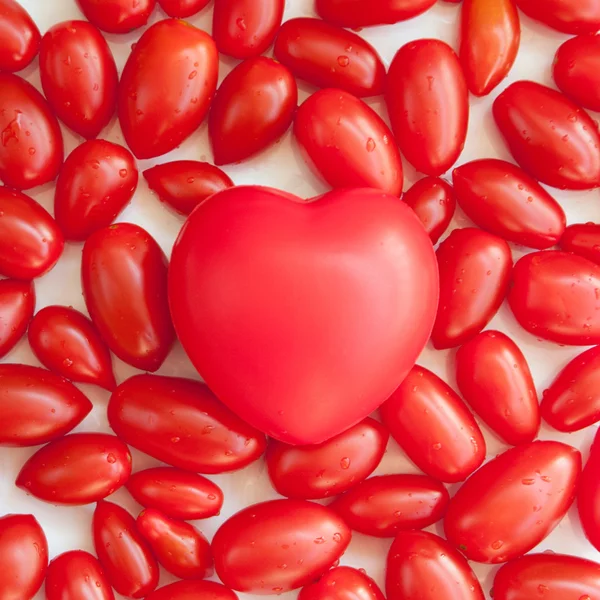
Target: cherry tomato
(24,557)
(330,468)
(31,144)
(17,303)
(20,37)
(502,199)
(124,555)
(588,498)
(383,506)
(494,378)
(348,143)
(182,9)
(246,28)
(180,422)
(178,494)
(428,103)
(434,202)
(582,16)
(118,16)
(183,184)
(553,296)
(192,590)
(124,275)
(513,502)
(330,57)
(361,13)
(77,575)
(250,547)
(424,566)
(582,239)
(434,427)
(37,406)
(253,108)
(342,582)
(156,119)
(553,139)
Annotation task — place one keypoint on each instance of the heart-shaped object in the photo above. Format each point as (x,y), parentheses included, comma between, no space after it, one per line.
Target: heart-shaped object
(303,317)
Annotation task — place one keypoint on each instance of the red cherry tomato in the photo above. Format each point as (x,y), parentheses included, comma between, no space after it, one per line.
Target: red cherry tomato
(20,37)
(157,118)
(126,558)
(330,468)
(361,13)
(250,547)
(513,502)
(502,199)
(348,143)
(582,239)
(246,28)
(182,9)
(434,427)
(582,16)
(31,144)
(192,590)
(124,275)
(330,57)
(17,303)
(553,139)
(176,493)
(342,582)
(553,296)
(494,378)
(588,498)
(428,103)
(77,575)
(434,203)
(253,108)
(23,555)
(119,16)
(475,269)
(183,184)
(180,422)
(37,406)
(424,566)
(383,506)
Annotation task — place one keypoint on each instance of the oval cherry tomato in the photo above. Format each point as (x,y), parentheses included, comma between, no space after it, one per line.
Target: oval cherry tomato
(588,498)
(20,37)
(253,108)
(428,103)
(424,566)
(17,303)
(361,13)
(119,16)
(37,406)
(24,557)
(494,378)
(182,9)
(180,422)
(126,558)
(475,269)
(582,239)
(124,276)
(553,139)
(178,494)
(383,506)
(330,468)
(31,144)
(342,582)
(554,296)
(348,143)
(434,427)
(582,16)
(434,202)
(156,119)
(250,547)
(537,481)
(192,590)
(183,184)
(330,57)
(245,28)
(77,575)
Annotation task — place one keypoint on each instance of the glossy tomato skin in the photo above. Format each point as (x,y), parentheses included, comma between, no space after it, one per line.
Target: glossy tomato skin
(588,498)
(250,547)
(125,557)
(117,17)
(75,575)
(342,582)
(494,378)
(181,9)
(156,119)
(551,138)
(330,468)
(190,429)
(253,107)
(566,16)
(582,239)
(434,427)
(348,143)
(20,37)
(383,506)
(538,481)
(37,406)
(192,590)
(428,103)
(362,13)
(330,57)
(17,303)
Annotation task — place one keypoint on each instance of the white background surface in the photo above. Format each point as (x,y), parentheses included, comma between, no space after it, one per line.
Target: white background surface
(281,166)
